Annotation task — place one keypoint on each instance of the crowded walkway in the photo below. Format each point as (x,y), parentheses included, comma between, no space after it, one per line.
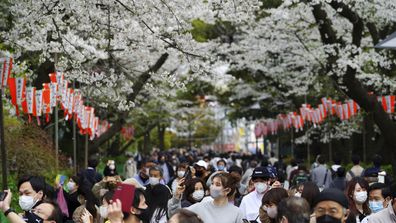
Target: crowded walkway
(192,186)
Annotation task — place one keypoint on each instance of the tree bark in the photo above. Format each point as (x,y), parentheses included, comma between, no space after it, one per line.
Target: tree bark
(355,89)
(137,87)
(161,136)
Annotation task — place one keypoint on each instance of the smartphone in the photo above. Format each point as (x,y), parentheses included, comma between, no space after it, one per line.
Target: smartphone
(125,193)
(3,195)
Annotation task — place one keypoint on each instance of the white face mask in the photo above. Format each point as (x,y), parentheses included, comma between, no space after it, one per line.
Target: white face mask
(180,173)
(103,211)
(198,195)
(26,202)
(112,166)
(71,186)
(154,181)
(261,187)
(360,197)
(215,192)
(298,194)
(272,212)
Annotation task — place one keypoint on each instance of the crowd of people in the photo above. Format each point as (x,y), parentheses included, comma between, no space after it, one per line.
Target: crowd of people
(193,187)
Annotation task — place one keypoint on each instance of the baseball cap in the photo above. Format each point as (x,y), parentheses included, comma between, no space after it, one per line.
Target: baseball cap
(261,172)
(202,163)
(332,194)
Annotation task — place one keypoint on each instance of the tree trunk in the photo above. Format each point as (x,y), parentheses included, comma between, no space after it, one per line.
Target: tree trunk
(137,87)
(161,136)
(355,89)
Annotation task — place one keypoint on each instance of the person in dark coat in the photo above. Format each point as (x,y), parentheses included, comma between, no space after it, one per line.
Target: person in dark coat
(339,182)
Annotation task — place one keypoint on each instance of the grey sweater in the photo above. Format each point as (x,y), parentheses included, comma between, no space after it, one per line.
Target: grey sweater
(210,213)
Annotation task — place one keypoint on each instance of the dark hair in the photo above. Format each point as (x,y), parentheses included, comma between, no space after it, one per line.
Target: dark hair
(161,194)
(190,188)
(186,216)
(272,154)
(157,168)
(377,160)
(274,196)
(321,160)
(355,159)
(77,179)
(56,214)
(337,160)
(310,192)
(385,191)
(295,209)
(349,193)
(182,165)
(221,161)
(109,172)
(38,184)
(136,200)
(227,180)
(93,162)
(341,172)
(108,196)
(90,199)
(235,168)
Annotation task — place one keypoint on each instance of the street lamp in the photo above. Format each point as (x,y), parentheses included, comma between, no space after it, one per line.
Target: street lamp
(388,43)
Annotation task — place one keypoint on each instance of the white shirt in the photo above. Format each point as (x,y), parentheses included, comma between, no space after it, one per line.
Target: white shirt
(250,206)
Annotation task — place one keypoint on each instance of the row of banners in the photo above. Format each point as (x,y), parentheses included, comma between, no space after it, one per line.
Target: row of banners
(316,116)
(38,103)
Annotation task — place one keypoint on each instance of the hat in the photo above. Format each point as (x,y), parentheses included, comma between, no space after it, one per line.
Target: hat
(202,163)
(332,194)
(261,172)
(371,172)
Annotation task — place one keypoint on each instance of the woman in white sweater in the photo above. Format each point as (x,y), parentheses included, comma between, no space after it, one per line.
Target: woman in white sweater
(216,210)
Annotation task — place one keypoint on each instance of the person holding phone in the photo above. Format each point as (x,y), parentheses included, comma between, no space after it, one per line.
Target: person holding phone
(223,186)
(47,211)
(137,212)
(181,170)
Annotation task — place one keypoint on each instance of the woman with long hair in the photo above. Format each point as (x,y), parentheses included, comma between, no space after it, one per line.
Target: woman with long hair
(356,193)
(219,209)
(269,204)
(158,209)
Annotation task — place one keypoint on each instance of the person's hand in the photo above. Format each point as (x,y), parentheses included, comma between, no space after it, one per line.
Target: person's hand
(181,187)
(86,217)
(114,212)
(5,204)
(193,171)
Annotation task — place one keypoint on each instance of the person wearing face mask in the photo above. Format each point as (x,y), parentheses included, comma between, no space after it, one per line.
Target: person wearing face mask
(71,196)
(251,203)
(220,167)
(201,170)
(216,210)
(143,175)
(136,214)
(156,178)
(180,171)
(331,206)
(88,202)
(46,211)
(167,169)
(103,208)
(32,191)
(379,198)
(387,215)
(357,195)
(268,210)
(195,191)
